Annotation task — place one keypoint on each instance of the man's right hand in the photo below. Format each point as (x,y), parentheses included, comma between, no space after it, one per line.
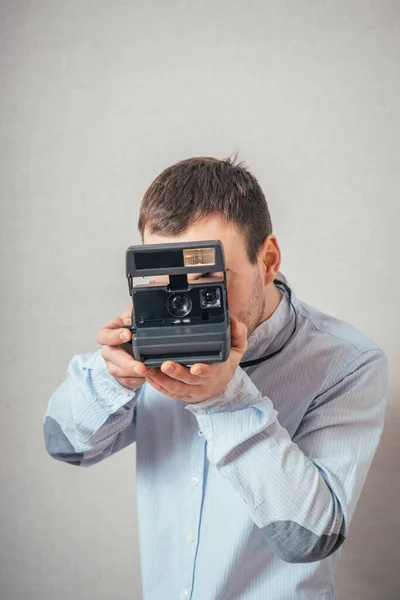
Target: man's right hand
(129,372)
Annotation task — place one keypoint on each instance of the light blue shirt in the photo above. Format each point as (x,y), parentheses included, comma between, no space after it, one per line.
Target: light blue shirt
(248,495)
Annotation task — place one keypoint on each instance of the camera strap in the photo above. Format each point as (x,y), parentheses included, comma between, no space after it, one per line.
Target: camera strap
(256,361)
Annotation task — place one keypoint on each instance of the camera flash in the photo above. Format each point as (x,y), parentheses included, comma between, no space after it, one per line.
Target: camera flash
(198,257)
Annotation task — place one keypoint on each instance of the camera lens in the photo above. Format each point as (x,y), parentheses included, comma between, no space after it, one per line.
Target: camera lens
(179,305)
(211,295)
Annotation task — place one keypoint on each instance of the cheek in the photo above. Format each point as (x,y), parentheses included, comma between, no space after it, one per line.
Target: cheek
(238,298)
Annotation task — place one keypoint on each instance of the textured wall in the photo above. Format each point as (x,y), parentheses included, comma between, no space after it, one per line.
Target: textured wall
(96,97)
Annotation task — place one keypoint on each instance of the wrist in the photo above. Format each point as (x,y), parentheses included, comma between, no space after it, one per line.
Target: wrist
(239,393)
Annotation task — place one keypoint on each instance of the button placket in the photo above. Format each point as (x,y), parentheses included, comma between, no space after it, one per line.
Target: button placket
(190,533)
(208,435)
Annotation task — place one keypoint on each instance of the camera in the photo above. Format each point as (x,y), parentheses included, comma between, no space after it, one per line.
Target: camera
(180,305)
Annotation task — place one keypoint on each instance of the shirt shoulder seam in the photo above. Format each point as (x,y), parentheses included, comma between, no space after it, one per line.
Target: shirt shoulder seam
(345,342)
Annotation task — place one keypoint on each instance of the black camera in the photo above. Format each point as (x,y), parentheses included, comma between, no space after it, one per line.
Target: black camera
(180,304)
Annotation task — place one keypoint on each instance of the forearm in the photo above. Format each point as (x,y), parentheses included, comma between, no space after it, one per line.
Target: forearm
(301,493)
(89,416)
(284,492)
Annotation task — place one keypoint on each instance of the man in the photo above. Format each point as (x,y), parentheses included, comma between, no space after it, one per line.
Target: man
(247,476)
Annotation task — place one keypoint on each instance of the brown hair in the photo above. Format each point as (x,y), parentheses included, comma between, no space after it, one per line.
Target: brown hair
(195,188)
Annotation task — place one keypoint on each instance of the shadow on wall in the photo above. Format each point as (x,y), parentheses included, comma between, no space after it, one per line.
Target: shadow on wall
(375,574)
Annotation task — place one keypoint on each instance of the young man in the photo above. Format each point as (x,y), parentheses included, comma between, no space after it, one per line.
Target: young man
(247,476)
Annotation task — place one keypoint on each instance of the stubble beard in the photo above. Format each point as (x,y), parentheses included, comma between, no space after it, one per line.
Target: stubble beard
(253,314)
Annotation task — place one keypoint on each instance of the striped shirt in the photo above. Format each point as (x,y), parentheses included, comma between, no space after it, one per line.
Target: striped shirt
(248,495)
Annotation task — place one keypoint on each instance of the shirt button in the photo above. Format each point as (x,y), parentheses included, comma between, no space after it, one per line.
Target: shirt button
(126,392)
(195,481)
(190,537)
(201,411)
(184,595)
(208,436)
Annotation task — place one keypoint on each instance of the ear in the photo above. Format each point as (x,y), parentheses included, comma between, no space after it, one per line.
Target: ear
(270,258)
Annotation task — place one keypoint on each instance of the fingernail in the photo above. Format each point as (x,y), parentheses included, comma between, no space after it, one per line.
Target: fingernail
(169,370)
(136,370)
(124,335)
(197,371)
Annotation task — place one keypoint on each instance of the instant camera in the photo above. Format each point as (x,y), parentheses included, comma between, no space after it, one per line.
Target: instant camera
(180,305)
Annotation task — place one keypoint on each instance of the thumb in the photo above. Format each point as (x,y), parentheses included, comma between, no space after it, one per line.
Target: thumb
(238,336)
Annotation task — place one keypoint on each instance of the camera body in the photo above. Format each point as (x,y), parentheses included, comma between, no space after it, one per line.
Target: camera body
(180,305)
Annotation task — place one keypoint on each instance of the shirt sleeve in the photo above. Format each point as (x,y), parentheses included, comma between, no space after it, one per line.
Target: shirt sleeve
(300,492)
(89,416)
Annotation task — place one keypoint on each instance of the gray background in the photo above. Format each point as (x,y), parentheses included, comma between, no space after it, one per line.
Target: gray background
(96,98)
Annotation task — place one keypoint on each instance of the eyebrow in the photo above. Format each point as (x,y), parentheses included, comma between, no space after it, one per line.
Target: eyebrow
(200,275)
(209,273)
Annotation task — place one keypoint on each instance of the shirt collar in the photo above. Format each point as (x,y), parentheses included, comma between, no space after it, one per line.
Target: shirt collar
(272,332)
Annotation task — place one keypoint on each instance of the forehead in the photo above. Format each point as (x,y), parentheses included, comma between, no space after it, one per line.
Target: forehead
(212,228)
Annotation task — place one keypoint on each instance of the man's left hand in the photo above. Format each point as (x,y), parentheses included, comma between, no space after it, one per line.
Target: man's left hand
(201,381)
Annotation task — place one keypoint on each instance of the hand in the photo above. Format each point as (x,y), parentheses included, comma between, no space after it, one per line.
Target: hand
(201,381)
(129,372)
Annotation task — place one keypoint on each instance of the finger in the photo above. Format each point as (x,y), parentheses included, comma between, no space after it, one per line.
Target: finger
(113,334)
(120,375)
(131,383)
(166,392)
(179,373)
(202,370)
(123,360)
(238,335)
(176,388)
